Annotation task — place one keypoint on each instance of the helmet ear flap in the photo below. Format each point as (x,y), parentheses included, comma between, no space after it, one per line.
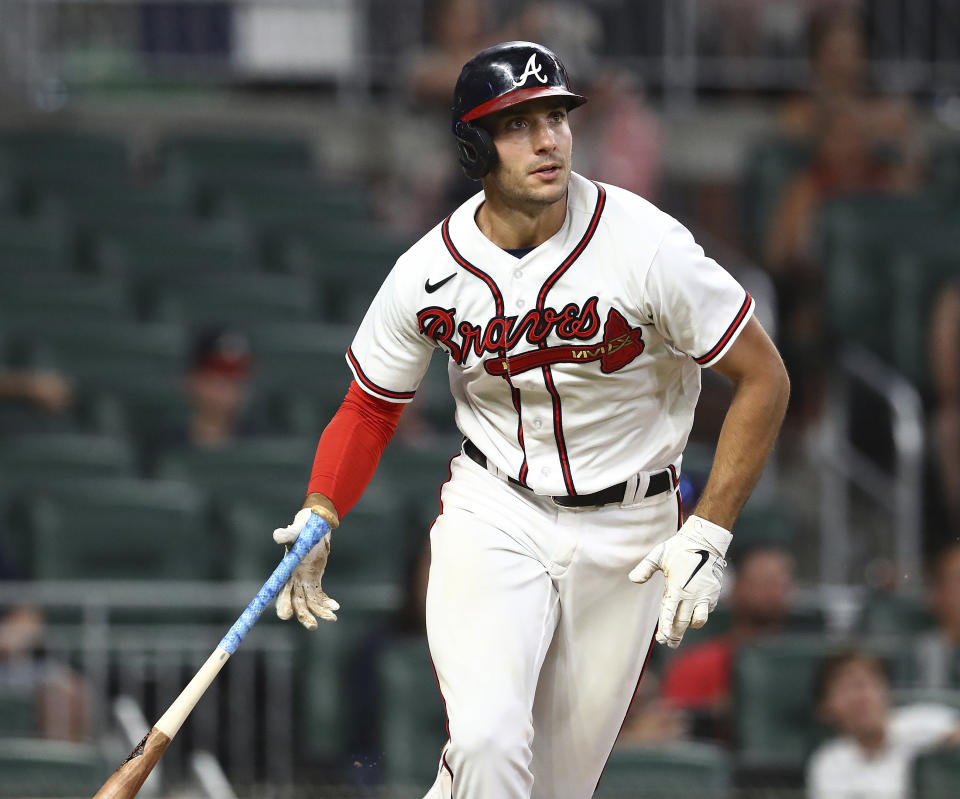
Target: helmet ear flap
(475,148)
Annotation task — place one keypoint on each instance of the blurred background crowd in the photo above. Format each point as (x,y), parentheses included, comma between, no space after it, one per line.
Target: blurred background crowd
(198,199)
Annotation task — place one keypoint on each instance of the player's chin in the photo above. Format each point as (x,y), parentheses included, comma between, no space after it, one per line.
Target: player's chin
(549,191)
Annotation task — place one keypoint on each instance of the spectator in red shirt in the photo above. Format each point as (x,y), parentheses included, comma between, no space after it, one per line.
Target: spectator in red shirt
(698,679)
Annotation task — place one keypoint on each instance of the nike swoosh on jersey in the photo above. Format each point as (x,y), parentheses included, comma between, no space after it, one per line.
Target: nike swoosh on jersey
(432,287)
(703,559)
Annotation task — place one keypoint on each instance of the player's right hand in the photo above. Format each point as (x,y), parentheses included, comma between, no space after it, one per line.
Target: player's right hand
(302,594)
(692,561)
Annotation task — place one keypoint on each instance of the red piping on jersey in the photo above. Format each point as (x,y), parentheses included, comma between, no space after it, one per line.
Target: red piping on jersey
(633,698)
(498,308)
(383,392)
(541,302)
(725,338)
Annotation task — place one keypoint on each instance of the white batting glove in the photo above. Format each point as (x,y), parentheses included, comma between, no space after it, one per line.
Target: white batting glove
(302,593)
(692,561)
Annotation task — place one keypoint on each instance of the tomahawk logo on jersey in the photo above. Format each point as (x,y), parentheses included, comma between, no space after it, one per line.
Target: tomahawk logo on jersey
(620,302)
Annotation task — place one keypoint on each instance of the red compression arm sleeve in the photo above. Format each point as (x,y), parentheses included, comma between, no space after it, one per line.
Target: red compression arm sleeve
(351,446)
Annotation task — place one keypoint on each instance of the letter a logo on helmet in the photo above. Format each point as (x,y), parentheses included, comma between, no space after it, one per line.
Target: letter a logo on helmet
(532,68)
(497,78)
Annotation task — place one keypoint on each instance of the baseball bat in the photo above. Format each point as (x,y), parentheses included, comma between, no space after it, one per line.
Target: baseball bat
(126,780)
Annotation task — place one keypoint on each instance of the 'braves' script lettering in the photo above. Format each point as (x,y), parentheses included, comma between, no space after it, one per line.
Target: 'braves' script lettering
(502,333)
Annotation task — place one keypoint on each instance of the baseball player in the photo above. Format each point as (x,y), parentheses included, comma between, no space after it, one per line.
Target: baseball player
(577,318)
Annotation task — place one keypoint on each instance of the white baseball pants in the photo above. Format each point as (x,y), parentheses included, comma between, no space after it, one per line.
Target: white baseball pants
(537,635)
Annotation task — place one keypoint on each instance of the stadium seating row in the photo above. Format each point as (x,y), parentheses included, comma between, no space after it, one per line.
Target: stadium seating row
(776,729)
(78,510)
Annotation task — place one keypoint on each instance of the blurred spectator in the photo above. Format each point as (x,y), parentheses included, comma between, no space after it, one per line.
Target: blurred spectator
(876,743)
(843,164)
(945,370)
(938,653)
(47,390)
(837,52)
(218,387)
(698,679)
(56,693)
(33,401)
(619,139)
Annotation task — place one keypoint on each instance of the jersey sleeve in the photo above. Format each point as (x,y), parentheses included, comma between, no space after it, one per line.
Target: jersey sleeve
(924,725)
(694,302)
(389,356)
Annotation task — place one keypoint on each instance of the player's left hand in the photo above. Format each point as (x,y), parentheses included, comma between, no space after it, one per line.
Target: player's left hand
(302,593)
(692,561)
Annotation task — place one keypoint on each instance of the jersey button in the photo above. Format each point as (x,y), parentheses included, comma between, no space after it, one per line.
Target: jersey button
(520,303)
(545,471)
(518,274)
(538,423)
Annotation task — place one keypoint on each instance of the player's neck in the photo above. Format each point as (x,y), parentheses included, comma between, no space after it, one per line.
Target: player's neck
(515,227)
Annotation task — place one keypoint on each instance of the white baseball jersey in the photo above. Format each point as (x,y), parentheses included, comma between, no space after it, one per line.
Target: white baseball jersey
(573,367)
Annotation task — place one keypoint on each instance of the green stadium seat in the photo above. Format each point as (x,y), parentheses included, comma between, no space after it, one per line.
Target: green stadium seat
(49,153)
(37,460)
(859,241)
(159,249)
(42,768)
(776,728)
(41,462)
(18,713)
(921,269)
(9,197)
(28,244)
(112,203)
(242,299)
(89,413)
(417,474)
(328,715)
(142,363)
(762,525)
(936,774)
(222,153)
(121,528)
(696,770)
(370,547)
(413,722)
(944,171)
(277,203)
(773,727)
(245,469)
(350,261)
(886,613)
(30,299)
(307,358)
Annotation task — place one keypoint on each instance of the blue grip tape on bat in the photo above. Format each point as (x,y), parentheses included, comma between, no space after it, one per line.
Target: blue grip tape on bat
(316,528)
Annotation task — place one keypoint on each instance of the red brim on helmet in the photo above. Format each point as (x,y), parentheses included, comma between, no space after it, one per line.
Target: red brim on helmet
(521,96)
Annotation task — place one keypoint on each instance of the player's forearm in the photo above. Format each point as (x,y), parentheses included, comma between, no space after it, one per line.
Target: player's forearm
(746,439)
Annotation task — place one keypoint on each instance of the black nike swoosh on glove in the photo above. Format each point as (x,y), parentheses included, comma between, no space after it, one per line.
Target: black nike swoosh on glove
(703,559)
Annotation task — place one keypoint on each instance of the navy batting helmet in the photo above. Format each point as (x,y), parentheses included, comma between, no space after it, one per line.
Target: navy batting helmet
(496,78)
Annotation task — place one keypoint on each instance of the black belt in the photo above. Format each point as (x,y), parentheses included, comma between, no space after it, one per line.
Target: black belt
(659,482)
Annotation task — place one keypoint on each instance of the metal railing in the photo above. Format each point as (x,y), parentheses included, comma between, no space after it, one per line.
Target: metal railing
(246,718)
(677,46)
(898,491)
